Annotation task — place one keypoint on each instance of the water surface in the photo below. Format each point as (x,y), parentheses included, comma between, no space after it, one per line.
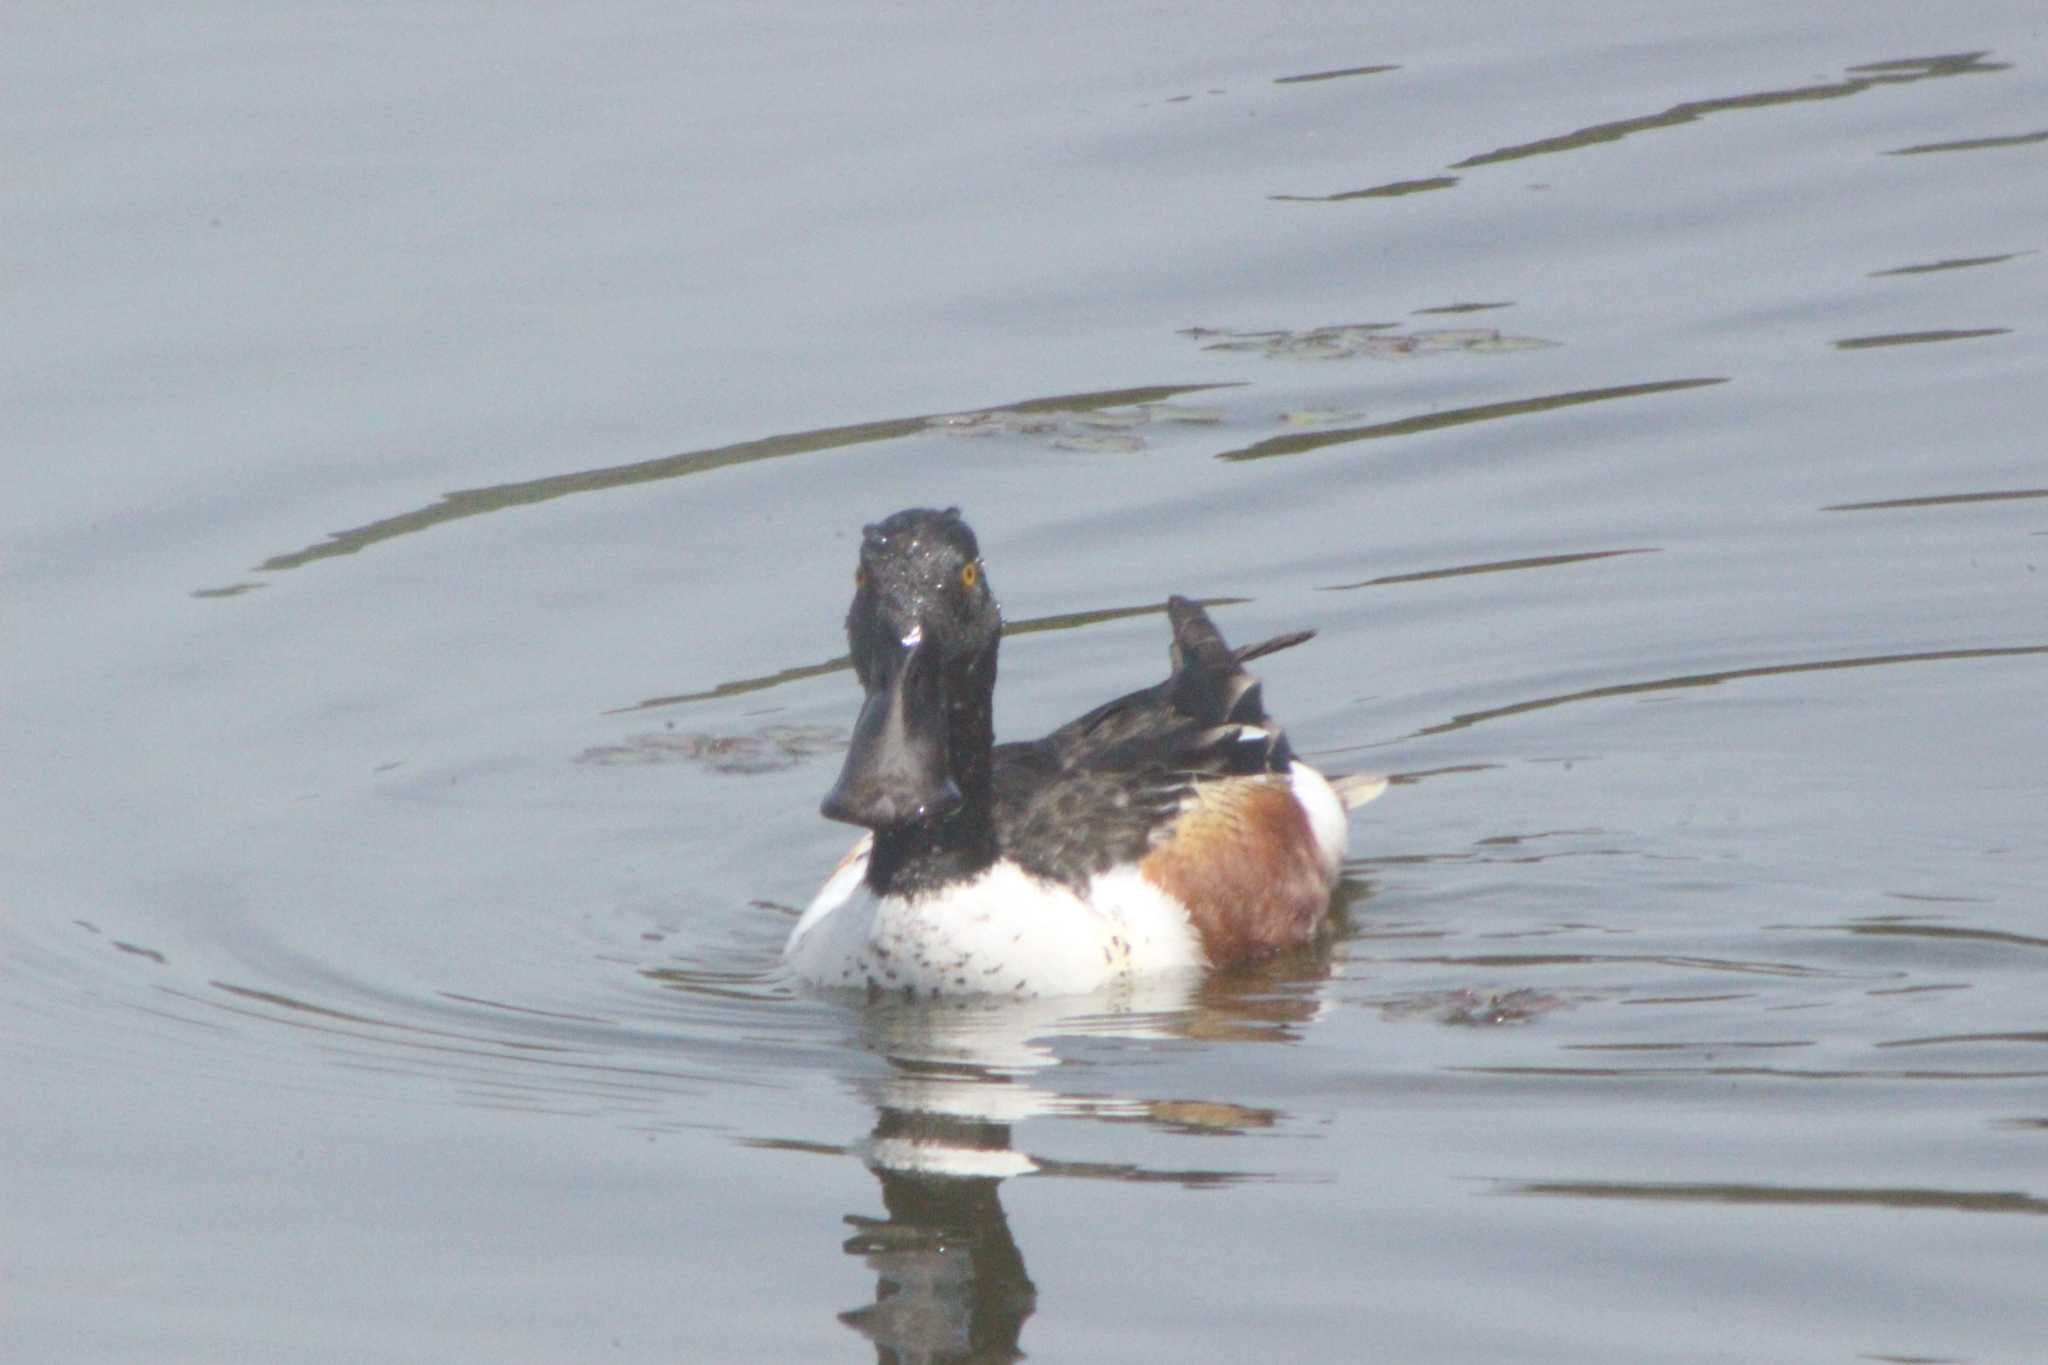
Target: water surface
(439,443)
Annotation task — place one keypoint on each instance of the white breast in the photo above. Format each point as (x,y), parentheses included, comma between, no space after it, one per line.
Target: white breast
(1002,933)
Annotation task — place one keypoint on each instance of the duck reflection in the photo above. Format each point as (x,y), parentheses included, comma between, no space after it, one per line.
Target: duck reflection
(951,1283)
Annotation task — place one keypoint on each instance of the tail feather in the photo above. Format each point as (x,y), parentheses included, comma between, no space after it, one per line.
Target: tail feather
(1274,645)
(1208,717)
(1355,789)
(1207,683)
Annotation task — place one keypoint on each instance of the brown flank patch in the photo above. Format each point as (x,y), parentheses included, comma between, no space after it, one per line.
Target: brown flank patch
(1243,860)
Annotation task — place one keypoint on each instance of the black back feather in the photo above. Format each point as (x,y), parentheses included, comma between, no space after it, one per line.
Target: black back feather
(1094,792)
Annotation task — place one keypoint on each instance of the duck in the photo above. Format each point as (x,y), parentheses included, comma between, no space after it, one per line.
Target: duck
(1170,830)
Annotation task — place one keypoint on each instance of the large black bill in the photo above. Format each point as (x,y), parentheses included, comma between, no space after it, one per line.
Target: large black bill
(895,771)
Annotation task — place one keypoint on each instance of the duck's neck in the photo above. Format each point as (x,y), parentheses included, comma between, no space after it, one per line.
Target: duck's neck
(931,854)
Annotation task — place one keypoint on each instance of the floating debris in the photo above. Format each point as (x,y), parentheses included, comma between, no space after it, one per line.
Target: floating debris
(1095,431)
(1475,1009)
(1372,340)
(997,422)
(1182,412)
(1319,417)
(1099,445)
(1110,417)
(769,749)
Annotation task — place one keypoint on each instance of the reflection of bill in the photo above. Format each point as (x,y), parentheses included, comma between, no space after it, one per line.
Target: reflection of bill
(950,1283)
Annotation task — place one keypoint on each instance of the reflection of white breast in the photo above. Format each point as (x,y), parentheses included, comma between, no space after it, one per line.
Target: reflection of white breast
(1001,933)
(969,1068)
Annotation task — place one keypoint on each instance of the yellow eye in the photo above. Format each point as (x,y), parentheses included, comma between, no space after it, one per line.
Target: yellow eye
(970,574)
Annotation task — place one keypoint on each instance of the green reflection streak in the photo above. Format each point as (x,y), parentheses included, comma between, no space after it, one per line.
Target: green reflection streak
(1691,111)
(1918,338)
(1950,263)
(1471,718)
(1949,932)
(1939,500)
(1303,442)
(1858,79)
(1492,566)
(1333,75)
(1906,1197)
(1973,144)
(1062,621)
(470,502)
(1393,189)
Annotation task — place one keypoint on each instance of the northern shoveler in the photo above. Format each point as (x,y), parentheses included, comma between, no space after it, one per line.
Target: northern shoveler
(1172,828)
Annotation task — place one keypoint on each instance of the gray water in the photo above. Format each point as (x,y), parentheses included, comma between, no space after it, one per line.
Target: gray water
(436,444)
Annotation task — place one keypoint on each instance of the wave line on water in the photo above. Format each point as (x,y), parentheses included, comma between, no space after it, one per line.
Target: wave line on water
(470,502)
(1304,442)
(1468,719)
(1852,1196)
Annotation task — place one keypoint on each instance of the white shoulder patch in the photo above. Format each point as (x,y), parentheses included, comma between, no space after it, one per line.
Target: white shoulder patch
(1325,811)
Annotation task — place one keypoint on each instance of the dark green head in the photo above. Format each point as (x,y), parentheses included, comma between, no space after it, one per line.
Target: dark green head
(923,631)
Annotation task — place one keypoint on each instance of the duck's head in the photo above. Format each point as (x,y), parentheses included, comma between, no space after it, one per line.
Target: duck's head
(923,630)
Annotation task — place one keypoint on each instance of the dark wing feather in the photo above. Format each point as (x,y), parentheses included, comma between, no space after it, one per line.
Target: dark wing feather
(1092,793)
(1208,690)
(1068,824)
